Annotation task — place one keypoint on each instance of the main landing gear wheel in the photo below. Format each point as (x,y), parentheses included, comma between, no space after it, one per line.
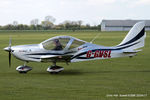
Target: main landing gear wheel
(55,69)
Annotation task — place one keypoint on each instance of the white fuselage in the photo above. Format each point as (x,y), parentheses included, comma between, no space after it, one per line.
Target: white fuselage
(85,52)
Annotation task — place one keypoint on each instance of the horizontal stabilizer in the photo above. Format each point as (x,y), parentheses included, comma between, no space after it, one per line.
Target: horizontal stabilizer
(131,51)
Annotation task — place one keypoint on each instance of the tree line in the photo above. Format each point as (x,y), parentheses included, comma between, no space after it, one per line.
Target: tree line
(48,24)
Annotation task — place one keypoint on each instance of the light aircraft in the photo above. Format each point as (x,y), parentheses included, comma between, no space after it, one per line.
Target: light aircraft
(69,49)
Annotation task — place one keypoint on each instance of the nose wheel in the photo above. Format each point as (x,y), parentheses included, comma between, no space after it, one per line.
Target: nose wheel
(23,68)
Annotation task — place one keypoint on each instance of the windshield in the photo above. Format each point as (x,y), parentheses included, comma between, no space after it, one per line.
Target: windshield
(62,42)
(56,44)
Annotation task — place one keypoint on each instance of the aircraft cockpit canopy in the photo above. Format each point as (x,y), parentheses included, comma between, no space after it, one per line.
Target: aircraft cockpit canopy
(61,43)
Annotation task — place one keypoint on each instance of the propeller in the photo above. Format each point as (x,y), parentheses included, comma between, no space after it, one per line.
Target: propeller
(10,59)
(10,52)
(8,49)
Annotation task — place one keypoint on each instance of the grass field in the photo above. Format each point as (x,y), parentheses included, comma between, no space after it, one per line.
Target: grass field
(92,80)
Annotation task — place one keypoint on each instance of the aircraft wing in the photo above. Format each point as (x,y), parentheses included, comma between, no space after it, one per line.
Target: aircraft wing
(47,58)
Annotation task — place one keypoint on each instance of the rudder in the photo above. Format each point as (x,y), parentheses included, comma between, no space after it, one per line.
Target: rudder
(135,37)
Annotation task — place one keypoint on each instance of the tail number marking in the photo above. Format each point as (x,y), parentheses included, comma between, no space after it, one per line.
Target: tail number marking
(99,53)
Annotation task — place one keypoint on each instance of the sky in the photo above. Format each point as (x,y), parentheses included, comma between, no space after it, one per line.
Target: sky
(89,11)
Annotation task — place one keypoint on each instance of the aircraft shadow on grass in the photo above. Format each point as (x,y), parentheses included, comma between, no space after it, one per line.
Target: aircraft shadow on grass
(79,72)
(65,72)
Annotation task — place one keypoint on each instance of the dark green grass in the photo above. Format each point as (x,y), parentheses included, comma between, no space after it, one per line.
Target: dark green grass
(92,80)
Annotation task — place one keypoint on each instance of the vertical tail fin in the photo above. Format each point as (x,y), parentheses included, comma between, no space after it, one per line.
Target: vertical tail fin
(135,38)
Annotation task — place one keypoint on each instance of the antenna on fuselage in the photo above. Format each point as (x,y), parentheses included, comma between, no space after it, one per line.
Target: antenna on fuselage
(95,38)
